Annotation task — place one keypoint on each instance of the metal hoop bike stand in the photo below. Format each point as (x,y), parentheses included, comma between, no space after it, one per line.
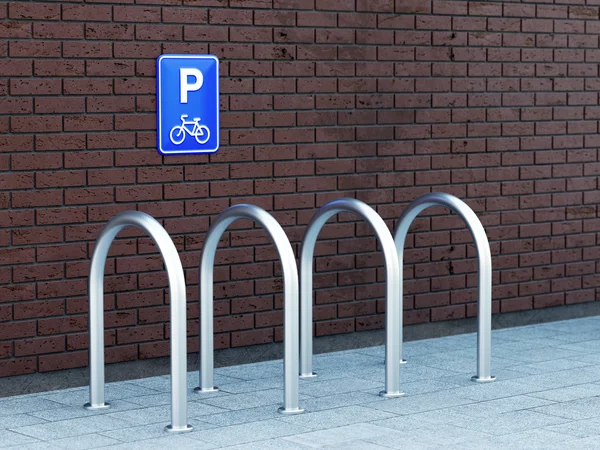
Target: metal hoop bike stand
(290,294)
(484,262)
(393,325)
(177,292)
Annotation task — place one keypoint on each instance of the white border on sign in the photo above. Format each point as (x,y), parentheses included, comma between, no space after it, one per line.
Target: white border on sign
(159,112)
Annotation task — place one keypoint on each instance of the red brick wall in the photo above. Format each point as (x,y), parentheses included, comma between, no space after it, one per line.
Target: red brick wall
(495,102)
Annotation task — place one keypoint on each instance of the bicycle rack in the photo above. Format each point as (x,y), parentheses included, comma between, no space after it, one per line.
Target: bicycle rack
(393,297)
(290,294)
(484,261)
(177,292)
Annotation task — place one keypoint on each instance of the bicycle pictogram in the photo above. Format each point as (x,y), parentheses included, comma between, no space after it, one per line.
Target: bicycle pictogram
(200,132)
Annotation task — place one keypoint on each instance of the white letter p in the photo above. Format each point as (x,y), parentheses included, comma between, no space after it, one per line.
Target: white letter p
(186,87)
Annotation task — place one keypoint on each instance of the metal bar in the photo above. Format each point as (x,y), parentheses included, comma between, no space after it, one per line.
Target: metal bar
(484,263)
(177,293)
(393,304)
(290,299)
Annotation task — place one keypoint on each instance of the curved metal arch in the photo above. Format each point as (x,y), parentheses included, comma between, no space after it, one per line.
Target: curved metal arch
(484,261)
(393,305)
(177,293)
(290,293)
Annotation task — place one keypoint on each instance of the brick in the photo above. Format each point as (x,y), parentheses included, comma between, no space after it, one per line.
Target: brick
(94,13)
(33,49)
(68,360)
(109,31)
(50,68)
(58,31)
(14,330)
(159,32)
(136,14)
(17,366)
(36,11)
(29,347)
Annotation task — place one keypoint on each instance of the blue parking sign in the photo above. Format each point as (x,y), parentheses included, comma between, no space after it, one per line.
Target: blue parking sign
(187,106)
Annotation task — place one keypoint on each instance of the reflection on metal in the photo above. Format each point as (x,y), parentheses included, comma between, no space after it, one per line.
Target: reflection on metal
(177,293)
(392,269)
(290,294)
(484,261)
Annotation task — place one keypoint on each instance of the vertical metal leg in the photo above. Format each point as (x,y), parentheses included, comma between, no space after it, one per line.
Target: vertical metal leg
(484,323)
(96,324)
(206,375)
(178,352)
(306,311)
(291,339)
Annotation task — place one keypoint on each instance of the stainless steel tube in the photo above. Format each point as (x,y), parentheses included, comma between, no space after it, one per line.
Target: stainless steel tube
(393,304)
(177,293)
(290,294)
(484,262)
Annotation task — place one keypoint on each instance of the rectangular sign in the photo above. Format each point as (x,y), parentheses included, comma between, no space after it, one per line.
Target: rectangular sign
(187,104)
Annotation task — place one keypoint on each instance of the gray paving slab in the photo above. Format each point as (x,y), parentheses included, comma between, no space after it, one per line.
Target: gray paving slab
(412,371)
(19,420)
(593,358)
(340,435)
(402,442)
(439,434)
(242,416)
(541,354)
(253,371)
(578,429)
(72,412)
(563,378)
(498,389)
(500,406)
(338,386)
(345,399)
(511,422)
(425,386)
(259,384)
(538,439)
(10,406)
(525,332)
(467,366)
(500,374)
(247,432)
(589,443)
(141,416)
(152,431)
(12,439)
(38,445)
(270,444)
(163,383)
(179,442)
(113,391)
(412,404)
(590,346)
(552,365)
(357,445)
(69,428)
(569,393)
(404,423)
(584,408)
(337,417)
(248,399)
(85,442)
